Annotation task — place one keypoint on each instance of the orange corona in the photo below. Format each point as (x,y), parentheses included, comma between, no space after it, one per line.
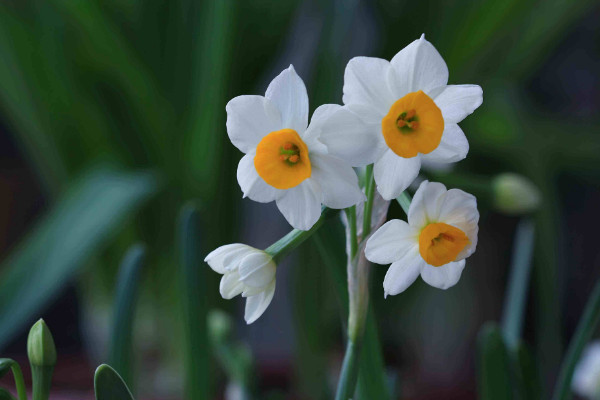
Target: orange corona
(413,125)
(282,159)
(441,243)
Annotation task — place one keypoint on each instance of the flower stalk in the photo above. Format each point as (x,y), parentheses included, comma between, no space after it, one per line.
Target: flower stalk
(294,238)
(358,293)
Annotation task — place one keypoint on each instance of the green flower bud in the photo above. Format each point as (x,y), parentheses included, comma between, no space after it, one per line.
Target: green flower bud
(40,346)
(514,194)
(220,326)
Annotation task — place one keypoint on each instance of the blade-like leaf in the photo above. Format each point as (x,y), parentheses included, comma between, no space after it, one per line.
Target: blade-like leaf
(195,308)
(108,385)
(83,219)
(494,365)
(124,311)
(5,364)
(527,373)
(5,395)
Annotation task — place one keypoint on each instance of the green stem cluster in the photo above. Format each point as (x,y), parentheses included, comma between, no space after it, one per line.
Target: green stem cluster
(358,293)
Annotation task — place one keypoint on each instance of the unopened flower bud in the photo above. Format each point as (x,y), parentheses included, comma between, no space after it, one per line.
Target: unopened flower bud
(514,194)
(40,346)
(220,326)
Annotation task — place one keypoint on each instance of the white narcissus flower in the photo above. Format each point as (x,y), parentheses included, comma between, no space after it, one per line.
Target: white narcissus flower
(441,232)
(285,162)
(398,113)
(246,271)
(586,378)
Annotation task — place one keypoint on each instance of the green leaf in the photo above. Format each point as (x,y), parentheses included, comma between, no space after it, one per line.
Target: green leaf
(121,341)
(193,275)
(585,329)
(5,395)
(81,222)
(7,364)
(527,373)
(494,376)
(108,385)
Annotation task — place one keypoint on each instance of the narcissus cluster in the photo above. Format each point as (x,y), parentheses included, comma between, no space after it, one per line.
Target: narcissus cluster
(395,114)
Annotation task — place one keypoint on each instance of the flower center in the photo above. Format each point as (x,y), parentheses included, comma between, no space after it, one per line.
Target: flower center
(441,243)
(413,125)
(282,159)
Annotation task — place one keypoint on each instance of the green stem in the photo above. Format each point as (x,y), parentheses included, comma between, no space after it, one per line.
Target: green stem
(370,193)
(349,373)
(41,382)
(351,217)
(293,239)
(19,381)
(358,301)
(585,329)
(404,200)
(516,296)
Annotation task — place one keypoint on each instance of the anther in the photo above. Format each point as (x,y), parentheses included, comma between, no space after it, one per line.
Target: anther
(287,146)
(401,123)
(294,159)
(410,114)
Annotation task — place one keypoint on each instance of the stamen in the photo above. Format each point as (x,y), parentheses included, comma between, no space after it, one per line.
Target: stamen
(410,114)
(401,123)
(294,159)
(288,146)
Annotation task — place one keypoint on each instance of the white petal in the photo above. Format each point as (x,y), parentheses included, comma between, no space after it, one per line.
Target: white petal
(249,119)
(337,180)
(288,93)
(257,270)
(366,81)
(301,205)
(256,305)
(443,277)
(393,174)
(230,285)
(391,242)
(403,273)
(216,258)
(313,133)
(350,138)
(457,101)
(453,147)
(459,209)
(419,66)
(252,184)
(587,372)
(425,205)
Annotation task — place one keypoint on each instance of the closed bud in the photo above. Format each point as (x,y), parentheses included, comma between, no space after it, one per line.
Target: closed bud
(514,194)
(40,346)
(219,326)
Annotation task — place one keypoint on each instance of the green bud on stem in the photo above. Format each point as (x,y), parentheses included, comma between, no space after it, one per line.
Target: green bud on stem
(42,357)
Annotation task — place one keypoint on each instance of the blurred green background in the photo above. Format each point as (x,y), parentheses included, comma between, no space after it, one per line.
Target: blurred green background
(112,116)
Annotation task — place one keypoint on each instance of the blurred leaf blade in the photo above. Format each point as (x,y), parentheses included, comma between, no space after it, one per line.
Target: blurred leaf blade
(108,385)
(6,395)
(84,218)
(527,373)
(494,369)
(193,273)
(121,340)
